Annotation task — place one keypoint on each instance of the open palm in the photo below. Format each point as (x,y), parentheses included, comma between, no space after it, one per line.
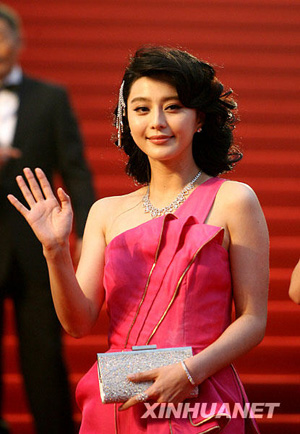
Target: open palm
(50,220)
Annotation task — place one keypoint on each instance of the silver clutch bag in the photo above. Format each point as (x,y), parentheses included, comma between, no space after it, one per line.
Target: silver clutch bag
(113,369)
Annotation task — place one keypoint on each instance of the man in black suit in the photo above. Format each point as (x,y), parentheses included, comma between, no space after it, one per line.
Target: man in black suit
(37,129)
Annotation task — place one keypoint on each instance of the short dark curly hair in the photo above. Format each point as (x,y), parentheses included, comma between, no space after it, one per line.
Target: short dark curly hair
(197,88)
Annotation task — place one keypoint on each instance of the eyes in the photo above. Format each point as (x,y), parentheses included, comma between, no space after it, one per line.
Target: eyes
(170,108)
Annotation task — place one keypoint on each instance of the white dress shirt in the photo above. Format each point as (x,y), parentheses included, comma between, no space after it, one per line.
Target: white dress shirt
(9,104)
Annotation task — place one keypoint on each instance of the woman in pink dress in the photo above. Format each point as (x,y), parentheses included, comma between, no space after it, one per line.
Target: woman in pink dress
(169,258)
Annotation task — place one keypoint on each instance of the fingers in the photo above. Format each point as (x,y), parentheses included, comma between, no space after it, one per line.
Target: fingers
(144,396)
(18,205)
(141,397)
(143,376)
(37,190)
(64,199)
(25,191)
(44,183)
(33,184)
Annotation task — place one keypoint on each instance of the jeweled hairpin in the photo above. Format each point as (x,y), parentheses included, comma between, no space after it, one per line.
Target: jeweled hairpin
(120,114)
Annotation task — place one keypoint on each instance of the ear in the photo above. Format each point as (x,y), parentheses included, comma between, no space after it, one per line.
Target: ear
(200,119)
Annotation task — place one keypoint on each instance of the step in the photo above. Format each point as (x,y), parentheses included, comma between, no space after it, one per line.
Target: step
(280,424)
(280,388)
(284,251)
(281,353)
(283,319)
(260,162)
(273,14)
(283,220)
(114,55)
(56,36)
(279,283)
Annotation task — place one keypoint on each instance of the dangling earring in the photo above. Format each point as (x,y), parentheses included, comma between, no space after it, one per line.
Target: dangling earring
(199,130)
(120,114)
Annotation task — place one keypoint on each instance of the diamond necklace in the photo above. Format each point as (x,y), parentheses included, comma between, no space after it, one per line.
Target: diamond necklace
(156,212)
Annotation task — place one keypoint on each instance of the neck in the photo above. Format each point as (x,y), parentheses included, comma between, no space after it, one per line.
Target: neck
(167,182)
(168,175)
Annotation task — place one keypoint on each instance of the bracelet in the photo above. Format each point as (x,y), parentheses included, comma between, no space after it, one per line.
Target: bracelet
(190,378)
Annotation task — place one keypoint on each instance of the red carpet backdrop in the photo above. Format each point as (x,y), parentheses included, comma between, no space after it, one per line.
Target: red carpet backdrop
(255,46)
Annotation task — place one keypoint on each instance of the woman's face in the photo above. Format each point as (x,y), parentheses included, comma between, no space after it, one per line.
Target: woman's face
(160,125)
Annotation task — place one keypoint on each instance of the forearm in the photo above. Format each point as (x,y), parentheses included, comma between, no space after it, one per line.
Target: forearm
(294,290)
(240,337)
(73,308)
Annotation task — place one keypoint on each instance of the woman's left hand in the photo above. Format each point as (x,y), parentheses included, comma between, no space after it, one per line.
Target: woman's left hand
(171,385)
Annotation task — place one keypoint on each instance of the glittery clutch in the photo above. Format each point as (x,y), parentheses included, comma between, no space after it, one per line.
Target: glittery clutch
(114,367)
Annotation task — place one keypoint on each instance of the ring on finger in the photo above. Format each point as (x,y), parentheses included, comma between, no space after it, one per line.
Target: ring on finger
(142,397)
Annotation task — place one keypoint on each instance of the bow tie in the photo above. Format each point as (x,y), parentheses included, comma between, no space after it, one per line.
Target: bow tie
(11,87)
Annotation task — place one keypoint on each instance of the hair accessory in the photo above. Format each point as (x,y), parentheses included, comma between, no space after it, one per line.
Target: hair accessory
(156,212)
(142,397)
(120,113)
(190,378)
(229,103)
(226,94)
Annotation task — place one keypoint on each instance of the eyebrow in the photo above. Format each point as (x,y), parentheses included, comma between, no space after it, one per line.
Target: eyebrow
(142,99)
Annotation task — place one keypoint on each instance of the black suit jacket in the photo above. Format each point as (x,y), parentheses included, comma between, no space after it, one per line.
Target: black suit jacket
(48,136)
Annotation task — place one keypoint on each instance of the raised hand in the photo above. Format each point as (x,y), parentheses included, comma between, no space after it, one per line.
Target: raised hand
(50,220)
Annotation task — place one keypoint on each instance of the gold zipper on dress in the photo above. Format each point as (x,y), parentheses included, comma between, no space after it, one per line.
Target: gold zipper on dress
(116,418)
(207,420)
(147,283)
(178,285)
(240,386)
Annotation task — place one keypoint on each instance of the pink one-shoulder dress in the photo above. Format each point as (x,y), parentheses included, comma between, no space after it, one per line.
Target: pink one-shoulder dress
(168,283)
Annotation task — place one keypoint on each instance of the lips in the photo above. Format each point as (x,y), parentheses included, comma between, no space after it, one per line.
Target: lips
(159,139)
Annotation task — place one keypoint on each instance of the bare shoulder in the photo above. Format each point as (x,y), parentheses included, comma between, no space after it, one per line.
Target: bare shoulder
(242,210)
(234,193)
(105,210)
(108,205)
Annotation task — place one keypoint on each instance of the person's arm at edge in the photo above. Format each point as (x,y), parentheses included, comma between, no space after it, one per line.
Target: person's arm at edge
(294,289)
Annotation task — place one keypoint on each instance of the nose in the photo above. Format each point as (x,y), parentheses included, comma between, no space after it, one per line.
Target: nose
(158,120)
